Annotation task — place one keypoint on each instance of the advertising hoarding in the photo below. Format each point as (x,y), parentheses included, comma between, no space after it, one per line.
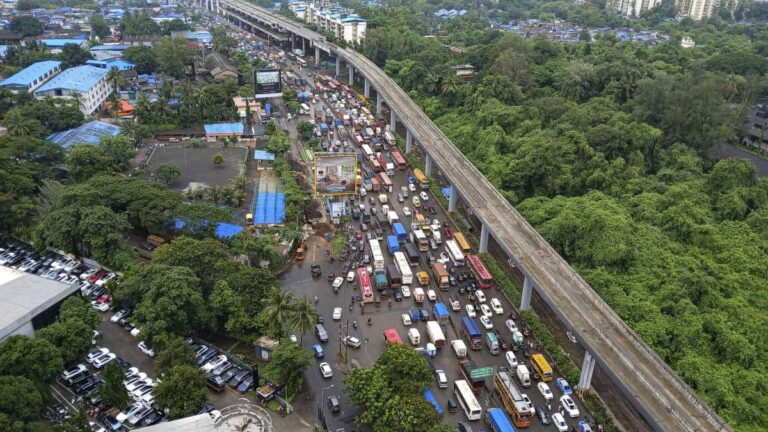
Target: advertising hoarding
(267,83)
(335,173)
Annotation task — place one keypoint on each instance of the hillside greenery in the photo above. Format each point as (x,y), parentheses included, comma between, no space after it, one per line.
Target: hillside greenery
(604,146)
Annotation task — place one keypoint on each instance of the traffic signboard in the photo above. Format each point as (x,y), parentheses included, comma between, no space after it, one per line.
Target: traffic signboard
(481,372)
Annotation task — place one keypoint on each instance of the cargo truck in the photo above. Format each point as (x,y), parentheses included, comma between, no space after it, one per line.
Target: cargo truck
(492,342)
(524,376)
(465,372)
(392,217)
(498,421)
(441,313)
(392,244)
(459,347)
(381,281)
(399,231)
(435,334)
(441,276)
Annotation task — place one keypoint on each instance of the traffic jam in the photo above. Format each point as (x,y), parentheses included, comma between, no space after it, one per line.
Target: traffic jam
(406,263)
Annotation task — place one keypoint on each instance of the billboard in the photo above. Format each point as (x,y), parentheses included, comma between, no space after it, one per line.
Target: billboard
(267,83)
(335,173)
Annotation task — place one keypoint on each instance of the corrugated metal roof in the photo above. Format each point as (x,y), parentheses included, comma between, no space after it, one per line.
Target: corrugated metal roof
(263,155)
(235,128)
(89,133)
(80,78)
(28,75)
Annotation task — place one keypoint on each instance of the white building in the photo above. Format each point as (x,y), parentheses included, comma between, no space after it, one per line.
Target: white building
(341,22)
(89,82)
(633,8)
(698,9)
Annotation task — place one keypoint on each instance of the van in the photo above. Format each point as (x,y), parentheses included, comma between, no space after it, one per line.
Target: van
(321,333)
(414,336)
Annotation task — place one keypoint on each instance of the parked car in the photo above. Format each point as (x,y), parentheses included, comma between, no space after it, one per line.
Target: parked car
(93,354)
(129,411)
(213,363)
(325,370)
(145,349)
(69,373)
(238,378)
(117,316)
(569,406)
(333,404)
(317,349)
(245,384)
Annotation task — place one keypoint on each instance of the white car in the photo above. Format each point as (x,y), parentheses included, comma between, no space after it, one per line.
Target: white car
(569,406)
(351,276)
(105,279)
(470,311)
(531,408)
(424,197)
(69,373)
(480,296)
(485,310)
(143,391)
(559,422)
(511,359)
(336,313)
(431,295)
(88,273)
(101,307)
(406,319)
(486,322)
(135,332)
(93,354)
(118,315)
(325,370)
(496,306)
(511,325)
(405,290)
(545,391)
(129,411)
(436,225)
(145,349)
(214,363)
(442,378)
(411,187)
(101,361)
(131,386)
(337,283)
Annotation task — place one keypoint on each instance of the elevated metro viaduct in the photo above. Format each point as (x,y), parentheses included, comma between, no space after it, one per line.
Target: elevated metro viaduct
(661,397)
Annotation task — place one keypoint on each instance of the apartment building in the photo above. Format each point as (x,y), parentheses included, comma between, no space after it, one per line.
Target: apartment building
(342,22)
(32,76)
(87,83)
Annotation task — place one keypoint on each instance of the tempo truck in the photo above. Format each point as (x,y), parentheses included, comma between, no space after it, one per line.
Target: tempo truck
(435,334)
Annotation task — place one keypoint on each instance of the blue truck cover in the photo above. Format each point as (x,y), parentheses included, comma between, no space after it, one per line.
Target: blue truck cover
(429,397)
(367,181)
(471,327)
(415,315)
(441,313)
(392,244)
(323,126)
(381,281)
(339,122)
(498,421)
(399,231)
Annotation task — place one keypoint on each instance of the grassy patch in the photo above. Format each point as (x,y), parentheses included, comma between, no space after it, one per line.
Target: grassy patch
(338,242)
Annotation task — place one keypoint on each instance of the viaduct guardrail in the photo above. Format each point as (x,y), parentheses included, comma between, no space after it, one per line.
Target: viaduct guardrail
(660,395)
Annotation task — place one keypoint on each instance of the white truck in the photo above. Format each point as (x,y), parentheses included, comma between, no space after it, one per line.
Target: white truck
(524,376)
(435,334)
(437,236)
(383,198)
(418,295)
(459,347)
(414,336)
(390,168)
(392,217)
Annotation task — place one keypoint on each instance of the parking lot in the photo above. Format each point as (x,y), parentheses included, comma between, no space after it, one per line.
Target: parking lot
(299,280)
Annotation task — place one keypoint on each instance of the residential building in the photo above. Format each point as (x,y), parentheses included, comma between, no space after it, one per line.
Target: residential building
(88,83)
(56,45)
(634,8)
(108,51)
(702,9)
(32,77)
(220,68)
(341,22)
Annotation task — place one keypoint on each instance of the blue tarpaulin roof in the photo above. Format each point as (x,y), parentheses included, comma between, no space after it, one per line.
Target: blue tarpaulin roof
(226,231)
(446,191)
(59,43)
(431,399)
(29,74)
(269,208)
(89,133)
(224,129)
(263,155)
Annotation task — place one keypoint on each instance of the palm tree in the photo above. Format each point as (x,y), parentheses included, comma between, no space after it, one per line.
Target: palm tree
(17,124)
(277,308)
(76,99)
(449,84)
(116,78)
(303,316)
(432,82)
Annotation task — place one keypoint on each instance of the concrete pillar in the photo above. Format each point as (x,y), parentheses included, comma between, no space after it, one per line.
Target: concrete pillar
(317,56)
(408,140)
(338,66)
(483,240)
(587,369)
(367,92)
(392,119)
(525,300)
(453,199)
(428,166)
(351,75)
(303,46)
(378,102)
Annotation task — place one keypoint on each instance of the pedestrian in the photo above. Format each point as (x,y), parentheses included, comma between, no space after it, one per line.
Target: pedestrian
(549,406)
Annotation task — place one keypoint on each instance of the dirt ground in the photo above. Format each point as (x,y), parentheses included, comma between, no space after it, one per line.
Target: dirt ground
(196,165)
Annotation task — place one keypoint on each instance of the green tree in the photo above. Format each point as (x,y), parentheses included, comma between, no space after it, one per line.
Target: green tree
(99,27)
(20,125)
(173,56)
(222,42)
(144,58)
(27,25)
(119,150)
(176,352)
(278,143)
(277,309)
(116,78)
(167,173)
(306,129)
(73,55)
(72,338)
(303,316)
(113,391)
(85,160)
(287,365)
(19,398)
(182,392)
(138,24)
(217,159)
(79,422)
(33,358)
(78,310)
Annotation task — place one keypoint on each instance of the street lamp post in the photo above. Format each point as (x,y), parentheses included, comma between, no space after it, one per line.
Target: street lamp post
(320,414)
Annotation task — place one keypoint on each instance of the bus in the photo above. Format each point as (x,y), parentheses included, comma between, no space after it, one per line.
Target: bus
(376,166)
(301,62)
(399,161)
(420,239)
(367,151)
(391,336)
(462,242)
(467,400)
(482,274)
(377,255)
(406,275)
(365,285)
(306,109)
(421,179)
(393,274)
(359,140)
(454,253)
(412,253)
(512,399)
(541,368)
(386,183)
(498,421)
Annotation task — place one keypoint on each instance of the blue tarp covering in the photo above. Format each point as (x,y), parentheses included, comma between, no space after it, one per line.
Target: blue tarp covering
(268,108)
(447,192)
(263,155)
(269,208)
(431,399)
(499,421)
(226,231)
(89,133)
(235,128)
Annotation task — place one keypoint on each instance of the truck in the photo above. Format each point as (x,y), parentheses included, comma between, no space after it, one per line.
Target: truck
(437,236)
(435,334)
(465,372)
(441,276)
(492,342)
(399,232)
(378,257)
(382,284)
(392,244)
(392,217)
(498,421)
(418,295)
(459,347)
(393,274)
(472,333)
(390,168)
(412,253)
(383,198)
(441,313)
(524,376)
(382,159)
